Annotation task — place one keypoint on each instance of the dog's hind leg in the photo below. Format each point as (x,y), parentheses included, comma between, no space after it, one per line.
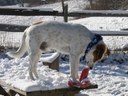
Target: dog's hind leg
(33,60)
(35,63)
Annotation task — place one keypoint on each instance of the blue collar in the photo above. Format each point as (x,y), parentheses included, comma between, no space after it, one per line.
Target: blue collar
(94,41)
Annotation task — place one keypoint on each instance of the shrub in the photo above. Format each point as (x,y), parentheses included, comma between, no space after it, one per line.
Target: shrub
(107,4)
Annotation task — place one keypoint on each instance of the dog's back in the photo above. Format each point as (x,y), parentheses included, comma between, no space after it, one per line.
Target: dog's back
(60,35)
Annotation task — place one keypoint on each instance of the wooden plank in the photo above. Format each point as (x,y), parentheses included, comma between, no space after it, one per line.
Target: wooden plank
(12,27)
(99,13)
(21,28)
(111,33)
(12,93)
(3,92)
(57,92)
(49,12)
(27,11)
(54,65)
(12,88)
(61,92)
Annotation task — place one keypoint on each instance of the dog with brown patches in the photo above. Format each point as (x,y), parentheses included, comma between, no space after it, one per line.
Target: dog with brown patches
(72,39)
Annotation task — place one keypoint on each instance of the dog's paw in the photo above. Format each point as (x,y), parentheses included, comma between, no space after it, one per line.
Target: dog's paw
(74,83)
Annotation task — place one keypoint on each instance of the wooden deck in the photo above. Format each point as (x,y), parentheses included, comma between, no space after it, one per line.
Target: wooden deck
(55,92)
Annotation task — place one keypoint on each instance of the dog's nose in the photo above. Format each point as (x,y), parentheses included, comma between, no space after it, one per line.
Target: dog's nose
(91,68)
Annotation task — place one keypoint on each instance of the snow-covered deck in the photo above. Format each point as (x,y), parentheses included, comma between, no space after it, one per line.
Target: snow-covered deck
(54,92)
(14,76)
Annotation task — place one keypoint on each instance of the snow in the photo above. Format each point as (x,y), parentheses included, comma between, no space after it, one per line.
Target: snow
(107,24)
(50,57)
(111,74)
(15,72)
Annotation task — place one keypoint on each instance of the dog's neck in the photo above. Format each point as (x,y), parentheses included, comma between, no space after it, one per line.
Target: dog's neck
(95,40)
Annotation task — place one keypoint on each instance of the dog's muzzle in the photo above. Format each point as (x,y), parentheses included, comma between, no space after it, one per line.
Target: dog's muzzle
(87,63)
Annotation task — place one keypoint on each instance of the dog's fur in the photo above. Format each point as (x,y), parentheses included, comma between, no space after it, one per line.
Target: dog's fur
(66,38)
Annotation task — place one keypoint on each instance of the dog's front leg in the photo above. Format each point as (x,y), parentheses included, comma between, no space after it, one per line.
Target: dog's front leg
(74,65)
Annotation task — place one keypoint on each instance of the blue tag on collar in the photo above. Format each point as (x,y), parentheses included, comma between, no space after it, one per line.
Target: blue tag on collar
(94,41)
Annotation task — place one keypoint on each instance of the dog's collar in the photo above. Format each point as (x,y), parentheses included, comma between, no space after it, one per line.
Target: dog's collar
(93,42)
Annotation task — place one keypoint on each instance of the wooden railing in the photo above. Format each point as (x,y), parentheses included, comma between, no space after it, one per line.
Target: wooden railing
(66,14)
(21,28)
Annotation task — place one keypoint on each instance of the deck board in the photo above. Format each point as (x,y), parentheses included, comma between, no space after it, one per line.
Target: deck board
(69,91)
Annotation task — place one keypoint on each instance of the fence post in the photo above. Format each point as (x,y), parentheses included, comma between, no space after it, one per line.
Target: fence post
(65,11)
(91,3)
(62,5)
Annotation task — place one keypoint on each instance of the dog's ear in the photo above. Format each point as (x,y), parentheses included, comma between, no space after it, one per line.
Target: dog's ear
(99,52)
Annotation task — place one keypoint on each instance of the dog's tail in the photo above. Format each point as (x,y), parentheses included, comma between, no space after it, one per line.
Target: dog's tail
(22,49)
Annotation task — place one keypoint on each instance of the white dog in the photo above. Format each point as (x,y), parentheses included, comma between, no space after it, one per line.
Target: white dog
(73,39)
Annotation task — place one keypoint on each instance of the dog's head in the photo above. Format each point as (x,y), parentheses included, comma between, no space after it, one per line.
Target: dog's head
(97,53)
